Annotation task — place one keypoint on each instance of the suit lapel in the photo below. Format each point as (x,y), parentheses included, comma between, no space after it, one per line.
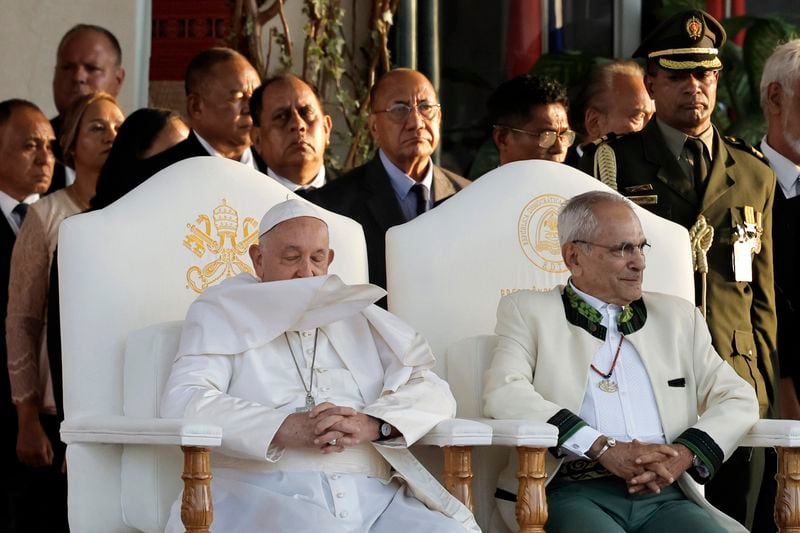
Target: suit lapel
(442,187)
(669,172)
(722,176)
(381,201)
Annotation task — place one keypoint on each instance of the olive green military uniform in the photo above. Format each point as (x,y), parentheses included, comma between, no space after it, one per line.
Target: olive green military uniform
(740,314)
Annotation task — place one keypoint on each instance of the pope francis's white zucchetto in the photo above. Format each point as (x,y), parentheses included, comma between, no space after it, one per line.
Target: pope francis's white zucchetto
(287,210)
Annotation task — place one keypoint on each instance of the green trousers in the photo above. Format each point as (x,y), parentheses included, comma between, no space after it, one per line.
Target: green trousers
(604,506)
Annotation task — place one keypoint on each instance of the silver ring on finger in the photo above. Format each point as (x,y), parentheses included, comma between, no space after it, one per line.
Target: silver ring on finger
(332,442)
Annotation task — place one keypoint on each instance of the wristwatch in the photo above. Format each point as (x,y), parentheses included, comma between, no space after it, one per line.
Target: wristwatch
(700,467)
(610,443)
(384,430)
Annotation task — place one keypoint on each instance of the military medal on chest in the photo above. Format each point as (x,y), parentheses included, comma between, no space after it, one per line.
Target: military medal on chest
(607,384)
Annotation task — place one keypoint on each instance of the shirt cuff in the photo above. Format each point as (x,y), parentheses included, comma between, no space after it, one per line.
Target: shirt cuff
(580,441)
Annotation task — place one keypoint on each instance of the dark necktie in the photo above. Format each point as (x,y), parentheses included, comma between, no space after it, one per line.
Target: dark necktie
(19,212)
(698,163)
(422,202)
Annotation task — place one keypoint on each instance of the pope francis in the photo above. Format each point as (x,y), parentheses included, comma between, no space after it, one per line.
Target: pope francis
(318,392)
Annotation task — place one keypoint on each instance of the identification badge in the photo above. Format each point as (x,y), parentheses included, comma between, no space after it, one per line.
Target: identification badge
(747,243)
(742,260)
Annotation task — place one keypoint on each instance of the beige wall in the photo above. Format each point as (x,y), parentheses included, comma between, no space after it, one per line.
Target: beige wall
(30,31)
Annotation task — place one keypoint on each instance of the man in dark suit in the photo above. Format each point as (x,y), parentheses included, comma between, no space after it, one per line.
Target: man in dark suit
(290,132)
(218,84)
(780,91)
(26,168)
(529,119)
(401,181)
(680,167)
(89,59)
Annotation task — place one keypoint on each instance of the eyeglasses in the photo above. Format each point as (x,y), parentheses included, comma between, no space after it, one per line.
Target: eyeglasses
(546,138)
(625,250)
(399,111)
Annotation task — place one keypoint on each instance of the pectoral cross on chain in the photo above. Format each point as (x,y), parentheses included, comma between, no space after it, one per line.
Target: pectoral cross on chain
(308,406)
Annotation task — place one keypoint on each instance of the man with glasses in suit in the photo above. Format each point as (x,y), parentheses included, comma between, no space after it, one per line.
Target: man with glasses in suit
(401,181)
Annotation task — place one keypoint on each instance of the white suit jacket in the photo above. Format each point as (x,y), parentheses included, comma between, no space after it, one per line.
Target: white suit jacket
(541,364)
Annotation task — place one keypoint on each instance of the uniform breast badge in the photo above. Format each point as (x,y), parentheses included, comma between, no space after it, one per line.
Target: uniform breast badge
(747,243)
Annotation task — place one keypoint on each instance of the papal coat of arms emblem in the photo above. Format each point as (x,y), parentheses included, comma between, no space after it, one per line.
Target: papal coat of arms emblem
(537,230)
(227,246)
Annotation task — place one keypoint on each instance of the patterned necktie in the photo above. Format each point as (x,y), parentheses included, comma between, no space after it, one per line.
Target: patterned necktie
(697,161)
(422,201)
(19,212)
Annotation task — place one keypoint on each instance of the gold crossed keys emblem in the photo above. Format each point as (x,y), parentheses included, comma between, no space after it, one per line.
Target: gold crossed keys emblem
(226,247)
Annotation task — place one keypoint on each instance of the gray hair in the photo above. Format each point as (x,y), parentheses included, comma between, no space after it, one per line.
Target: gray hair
(601,83)
(577,220)
(783,67)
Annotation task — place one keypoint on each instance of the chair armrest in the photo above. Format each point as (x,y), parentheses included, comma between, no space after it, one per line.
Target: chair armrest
(458,432)
(769,433)
(118,429)
(527,433)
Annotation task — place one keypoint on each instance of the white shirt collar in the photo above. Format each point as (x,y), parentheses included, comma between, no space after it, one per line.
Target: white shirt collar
(786,170)
(402,182)
(7,205)
(247,155)
(317,182)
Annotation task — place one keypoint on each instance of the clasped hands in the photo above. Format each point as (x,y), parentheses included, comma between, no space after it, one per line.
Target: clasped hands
(647,468)
(328,427)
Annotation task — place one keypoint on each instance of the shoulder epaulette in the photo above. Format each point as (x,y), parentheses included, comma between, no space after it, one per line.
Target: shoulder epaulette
(608,137)
(741,144)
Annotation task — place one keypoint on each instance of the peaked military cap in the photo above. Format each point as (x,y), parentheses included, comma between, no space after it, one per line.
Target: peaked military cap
(688,40)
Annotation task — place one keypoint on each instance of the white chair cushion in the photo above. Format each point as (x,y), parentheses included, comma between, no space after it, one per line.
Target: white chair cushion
(151,475)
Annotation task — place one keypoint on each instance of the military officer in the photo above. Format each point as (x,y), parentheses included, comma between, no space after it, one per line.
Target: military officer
(719,188)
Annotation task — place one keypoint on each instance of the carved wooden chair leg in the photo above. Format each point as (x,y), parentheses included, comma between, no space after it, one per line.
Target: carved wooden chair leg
(531,499)
(787,499)
(458,473)
(196,509)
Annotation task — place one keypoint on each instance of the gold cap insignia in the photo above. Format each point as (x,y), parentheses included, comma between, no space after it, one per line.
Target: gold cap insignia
(694,28)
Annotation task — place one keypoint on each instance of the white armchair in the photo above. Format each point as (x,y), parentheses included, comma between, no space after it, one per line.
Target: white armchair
(448,268)
(123,272)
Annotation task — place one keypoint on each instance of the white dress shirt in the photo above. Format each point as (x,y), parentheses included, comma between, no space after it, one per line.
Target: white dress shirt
(316,183)
(247,155)
(7,205)
(786,170)
(631,412)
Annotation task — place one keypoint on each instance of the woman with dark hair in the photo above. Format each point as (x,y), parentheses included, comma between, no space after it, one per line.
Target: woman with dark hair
(144,134)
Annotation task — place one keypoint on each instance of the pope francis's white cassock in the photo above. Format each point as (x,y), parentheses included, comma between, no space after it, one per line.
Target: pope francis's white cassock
(236,368)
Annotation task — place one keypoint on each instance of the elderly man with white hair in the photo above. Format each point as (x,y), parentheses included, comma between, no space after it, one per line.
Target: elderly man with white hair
(780,100)
(318,393)
(641,399)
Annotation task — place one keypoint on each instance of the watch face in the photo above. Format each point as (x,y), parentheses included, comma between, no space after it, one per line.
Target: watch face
(386,429)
